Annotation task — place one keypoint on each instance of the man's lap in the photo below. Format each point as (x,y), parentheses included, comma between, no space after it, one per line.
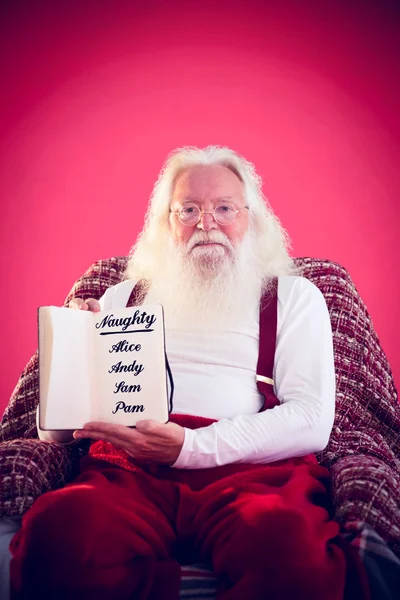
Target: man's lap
(234,522)
(250,484)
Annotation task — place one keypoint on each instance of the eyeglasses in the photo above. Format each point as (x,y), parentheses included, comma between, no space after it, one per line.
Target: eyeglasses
(223,214)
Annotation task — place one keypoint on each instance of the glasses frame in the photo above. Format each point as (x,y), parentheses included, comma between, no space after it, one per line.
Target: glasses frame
(207,212)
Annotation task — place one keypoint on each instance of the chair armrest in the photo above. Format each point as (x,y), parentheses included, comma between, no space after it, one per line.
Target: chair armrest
(365,488)
(31,467)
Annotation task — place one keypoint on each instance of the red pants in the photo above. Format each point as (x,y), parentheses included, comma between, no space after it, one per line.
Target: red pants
(115,534)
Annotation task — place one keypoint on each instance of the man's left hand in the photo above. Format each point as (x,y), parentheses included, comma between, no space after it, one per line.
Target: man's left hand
(151,441)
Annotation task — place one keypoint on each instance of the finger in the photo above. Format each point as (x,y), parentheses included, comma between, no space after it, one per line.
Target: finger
(93,305)
(78,304)
(133,446)
(80,433)
(103,426)
(148,426)
(119,442)
(110,429)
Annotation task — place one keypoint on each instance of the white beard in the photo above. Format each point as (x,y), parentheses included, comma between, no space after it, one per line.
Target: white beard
(208,288)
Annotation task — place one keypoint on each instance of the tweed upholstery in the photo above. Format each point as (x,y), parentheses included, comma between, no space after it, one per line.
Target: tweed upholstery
(363,452)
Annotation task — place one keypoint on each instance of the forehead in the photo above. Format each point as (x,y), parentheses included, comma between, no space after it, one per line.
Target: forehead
(206,182)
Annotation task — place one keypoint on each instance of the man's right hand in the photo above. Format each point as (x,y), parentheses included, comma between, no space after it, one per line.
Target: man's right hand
(89,304)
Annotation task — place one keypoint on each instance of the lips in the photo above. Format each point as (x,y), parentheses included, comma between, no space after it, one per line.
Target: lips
(208,244)
(211,242)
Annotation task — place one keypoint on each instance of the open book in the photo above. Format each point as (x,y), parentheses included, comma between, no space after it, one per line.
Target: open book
(102,366)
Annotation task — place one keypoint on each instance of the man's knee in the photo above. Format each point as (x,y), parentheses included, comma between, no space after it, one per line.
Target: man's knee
(264,529)
(279,546)
(59,521)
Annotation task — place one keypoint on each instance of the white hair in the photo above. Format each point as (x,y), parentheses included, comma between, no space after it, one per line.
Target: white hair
(274,243)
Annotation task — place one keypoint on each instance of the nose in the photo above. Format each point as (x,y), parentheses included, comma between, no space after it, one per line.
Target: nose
(207,222)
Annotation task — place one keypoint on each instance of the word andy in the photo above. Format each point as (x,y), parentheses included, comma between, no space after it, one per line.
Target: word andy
(134,368)
(124,387)
(138,318)
(127,408)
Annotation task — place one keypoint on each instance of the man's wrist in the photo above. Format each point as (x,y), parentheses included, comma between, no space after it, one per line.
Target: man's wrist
(186,449)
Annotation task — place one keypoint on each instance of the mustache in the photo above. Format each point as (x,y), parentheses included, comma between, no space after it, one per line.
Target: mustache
(213,235)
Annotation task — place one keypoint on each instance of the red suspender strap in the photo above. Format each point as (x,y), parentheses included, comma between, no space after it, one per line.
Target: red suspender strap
(267,344)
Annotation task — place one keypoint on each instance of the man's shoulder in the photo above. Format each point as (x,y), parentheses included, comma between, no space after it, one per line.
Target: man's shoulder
(294,287)
(296,282)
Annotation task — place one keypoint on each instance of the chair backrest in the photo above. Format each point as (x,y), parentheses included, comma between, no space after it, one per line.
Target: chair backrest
(363,450)
(366,395)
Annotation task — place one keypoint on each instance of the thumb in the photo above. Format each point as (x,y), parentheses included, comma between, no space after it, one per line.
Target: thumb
(146,425)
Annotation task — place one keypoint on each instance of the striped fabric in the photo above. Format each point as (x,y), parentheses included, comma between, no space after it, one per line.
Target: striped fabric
(197,581)
(381,565)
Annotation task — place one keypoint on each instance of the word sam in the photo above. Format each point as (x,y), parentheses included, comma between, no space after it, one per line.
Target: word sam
(128,408)
(124,387)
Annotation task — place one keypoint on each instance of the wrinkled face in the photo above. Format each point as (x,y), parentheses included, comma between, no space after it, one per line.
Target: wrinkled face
(208,187)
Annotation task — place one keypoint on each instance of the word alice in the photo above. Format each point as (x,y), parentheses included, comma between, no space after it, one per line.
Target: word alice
(125,346)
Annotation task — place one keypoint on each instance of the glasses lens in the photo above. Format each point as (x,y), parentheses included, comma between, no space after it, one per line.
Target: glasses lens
(189,214)
(225,213)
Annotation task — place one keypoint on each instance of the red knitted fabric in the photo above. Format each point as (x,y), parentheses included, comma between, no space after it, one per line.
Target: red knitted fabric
(266,530)
(107,453)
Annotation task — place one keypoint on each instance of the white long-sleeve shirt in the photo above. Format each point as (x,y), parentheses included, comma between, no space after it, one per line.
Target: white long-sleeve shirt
(215,376)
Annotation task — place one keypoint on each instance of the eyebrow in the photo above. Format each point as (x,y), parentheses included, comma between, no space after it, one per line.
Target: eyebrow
(219,199)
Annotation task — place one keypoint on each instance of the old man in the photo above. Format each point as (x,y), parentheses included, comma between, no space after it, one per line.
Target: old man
(231,480)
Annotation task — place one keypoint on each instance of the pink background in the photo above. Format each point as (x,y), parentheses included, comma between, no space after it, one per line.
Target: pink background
(95,94)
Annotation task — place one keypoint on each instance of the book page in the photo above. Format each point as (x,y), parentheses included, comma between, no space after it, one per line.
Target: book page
(65,355)
(130,379)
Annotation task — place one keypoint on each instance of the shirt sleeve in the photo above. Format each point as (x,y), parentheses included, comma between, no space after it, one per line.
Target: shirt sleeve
(304,378)
(106,301)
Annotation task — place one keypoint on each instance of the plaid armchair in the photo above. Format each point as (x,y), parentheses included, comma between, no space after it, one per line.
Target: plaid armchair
(362,453)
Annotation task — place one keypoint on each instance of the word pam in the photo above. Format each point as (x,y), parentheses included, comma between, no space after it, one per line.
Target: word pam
(127,408)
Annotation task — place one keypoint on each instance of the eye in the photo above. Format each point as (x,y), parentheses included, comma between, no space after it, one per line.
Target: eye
(186,211)
(225,209)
